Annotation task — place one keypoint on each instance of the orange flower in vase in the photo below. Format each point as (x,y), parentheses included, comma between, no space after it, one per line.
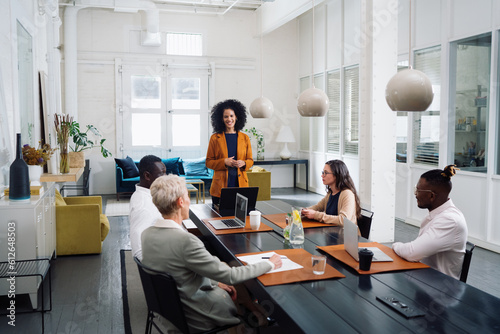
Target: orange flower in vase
(36,158)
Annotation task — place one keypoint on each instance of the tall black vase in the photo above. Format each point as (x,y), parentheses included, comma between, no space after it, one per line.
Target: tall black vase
(19,184)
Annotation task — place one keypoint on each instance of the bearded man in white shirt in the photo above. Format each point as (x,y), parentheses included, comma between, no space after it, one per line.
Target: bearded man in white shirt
(442,237)
(143,213)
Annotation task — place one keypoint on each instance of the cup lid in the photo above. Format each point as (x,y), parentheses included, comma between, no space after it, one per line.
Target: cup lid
(365,251)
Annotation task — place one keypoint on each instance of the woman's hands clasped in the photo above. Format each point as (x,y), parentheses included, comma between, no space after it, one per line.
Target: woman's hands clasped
(230,162)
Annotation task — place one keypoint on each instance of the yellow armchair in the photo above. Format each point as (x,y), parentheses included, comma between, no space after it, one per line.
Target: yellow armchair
(81,227)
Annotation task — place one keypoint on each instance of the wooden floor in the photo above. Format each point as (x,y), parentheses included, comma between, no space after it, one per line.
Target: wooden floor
(86,290)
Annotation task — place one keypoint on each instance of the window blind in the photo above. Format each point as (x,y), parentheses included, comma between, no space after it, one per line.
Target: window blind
(426,124)
(184,44)
(318,123)
(333,116)
(351,110)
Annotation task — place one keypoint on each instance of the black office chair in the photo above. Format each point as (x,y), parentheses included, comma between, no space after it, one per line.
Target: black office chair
(84,186)
(469,247)
(162,297)
(365,223)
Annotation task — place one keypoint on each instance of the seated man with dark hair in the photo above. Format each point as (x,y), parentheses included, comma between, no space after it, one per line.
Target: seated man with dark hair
(143,213)
(442,237)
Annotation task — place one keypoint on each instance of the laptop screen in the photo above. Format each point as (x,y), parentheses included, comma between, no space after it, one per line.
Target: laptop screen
(240,211)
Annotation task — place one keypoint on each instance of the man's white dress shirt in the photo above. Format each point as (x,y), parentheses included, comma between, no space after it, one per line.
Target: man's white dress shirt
(441,241)
(143,214)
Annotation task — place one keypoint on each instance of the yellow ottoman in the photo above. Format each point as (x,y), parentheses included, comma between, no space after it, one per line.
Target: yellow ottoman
(262,179)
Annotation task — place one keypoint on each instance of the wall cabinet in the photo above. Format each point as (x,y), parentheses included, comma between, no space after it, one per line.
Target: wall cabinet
(34,225)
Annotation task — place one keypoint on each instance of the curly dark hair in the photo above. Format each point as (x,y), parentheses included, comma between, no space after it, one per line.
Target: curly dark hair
(147,164)
(343,181)
(218,111)
(440,178)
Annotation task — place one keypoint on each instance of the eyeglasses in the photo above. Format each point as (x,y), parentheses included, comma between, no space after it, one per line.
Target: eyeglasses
(424,190)
(323,173)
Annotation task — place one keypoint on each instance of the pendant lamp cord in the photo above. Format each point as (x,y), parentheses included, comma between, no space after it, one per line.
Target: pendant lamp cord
(409,40)
(261,57)
(312,48)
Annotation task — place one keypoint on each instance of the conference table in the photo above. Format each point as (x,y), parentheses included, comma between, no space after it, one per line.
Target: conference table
(350,304)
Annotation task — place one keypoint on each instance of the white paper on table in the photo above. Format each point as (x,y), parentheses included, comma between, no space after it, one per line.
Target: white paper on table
(287,263)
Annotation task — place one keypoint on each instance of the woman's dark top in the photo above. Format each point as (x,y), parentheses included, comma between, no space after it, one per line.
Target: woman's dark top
(332,207)
(232,144)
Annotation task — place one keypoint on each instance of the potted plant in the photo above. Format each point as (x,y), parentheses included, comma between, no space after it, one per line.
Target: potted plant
(82,142)
(259,137)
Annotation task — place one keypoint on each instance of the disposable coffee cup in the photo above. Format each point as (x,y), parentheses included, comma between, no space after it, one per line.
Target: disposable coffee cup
(318,264)
(365,259)
(254,220)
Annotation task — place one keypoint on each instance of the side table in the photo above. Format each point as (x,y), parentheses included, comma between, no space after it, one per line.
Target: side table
(201,187)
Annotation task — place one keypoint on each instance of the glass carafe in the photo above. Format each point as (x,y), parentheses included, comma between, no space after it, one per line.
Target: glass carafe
(296,229)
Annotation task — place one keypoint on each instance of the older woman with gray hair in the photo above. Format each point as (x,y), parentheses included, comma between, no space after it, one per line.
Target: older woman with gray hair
(203,281)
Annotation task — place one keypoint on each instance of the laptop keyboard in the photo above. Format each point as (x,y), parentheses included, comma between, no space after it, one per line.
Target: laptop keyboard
(230,222)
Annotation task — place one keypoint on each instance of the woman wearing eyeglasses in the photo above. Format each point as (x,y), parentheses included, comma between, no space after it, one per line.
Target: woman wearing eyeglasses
(341,198)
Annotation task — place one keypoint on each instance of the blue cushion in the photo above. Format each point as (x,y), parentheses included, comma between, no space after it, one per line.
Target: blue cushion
(193,167)
(128,166)
(172,165)
(181,168)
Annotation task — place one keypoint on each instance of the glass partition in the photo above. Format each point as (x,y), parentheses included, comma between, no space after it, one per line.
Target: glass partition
(470,63)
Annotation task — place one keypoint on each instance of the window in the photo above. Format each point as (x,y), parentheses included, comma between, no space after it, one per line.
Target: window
(184,44)
(333,115)
(304,121)
(426,124)
(402,126)
(185,93)
(471,65)
(145,92)
(351,110)
(318,123)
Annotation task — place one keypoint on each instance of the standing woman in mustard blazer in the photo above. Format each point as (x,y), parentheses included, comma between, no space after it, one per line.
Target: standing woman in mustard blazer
(229,151)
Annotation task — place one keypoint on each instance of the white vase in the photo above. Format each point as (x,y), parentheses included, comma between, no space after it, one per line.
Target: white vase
(35,172)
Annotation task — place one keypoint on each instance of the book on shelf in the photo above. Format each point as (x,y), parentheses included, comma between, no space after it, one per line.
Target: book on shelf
(34,191)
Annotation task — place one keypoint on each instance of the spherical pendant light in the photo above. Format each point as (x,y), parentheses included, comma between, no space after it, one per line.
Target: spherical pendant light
(409,90)
(313,102)
(261,107)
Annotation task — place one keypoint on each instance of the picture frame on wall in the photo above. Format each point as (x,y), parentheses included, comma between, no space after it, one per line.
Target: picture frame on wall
(47,120)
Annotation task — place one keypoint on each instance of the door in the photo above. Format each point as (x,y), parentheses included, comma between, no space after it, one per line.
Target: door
(162,111)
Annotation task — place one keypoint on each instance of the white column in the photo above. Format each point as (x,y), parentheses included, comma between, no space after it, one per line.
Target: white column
(70,61)
(377,150)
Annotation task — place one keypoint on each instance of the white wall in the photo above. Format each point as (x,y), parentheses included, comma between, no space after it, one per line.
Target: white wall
(233,40)
(38,25)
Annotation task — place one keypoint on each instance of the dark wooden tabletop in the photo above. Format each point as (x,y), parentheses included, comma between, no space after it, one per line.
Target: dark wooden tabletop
(349,305)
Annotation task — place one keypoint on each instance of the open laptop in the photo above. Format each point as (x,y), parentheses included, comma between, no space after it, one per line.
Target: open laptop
(351,243)
(240,215)
(228,198)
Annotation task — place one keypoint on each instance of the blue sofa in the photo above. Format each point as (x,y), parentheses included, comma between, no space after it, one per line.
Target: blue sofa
(187,168)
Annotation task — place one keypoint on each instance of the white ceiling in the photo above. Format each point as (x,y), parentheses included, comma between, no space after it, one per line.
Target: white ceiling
(213,7)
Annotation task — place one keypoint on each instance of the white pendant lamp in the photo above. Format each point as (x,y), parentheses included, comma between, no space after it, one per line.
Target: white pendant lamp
(313,102)
(409,90)
(261,107)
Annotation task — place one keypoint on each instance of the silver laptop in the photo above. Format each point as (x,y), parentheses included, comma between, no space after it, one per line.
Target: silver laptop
(240,215)
(351,243)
